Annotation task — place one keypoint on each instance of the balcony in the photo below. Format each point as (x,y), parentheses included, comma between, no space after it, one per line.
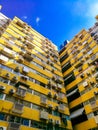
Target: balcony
(43,101)
(7,52)
(14,126)
(29,44)
(54,78)
(18,108)
(24,78)
(61,107)
(2,88)
(25,70)
(57,122)
(27,57)
(96,77)
(44,115)
(59,86)
(60,96)
(96,119)
(55,96)
(94,105)
(14,79)
(21,91)
(20,24)
(49,95)
(3,59)
(20,59)
(7,75)
(85,84)
(17,69)
(58,80)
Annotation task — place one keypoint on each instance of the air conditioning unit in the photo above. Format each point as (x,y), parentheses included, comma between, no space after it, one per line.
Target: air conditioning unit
(88,73)
(53,70)
(96,119)
(3,128)
(17,69)
(96,78)
(25,78)
(85,84)
(55,96)
(92,82)
(14,79)
(84,52)
(82,75)
(44,115)
(96,85)
(12,91)
(96,92)
(93,69)
(43,100)
(57,122)
(56,108)
(51,121)
(80,69)
(2,88)
(86,56)
(25,70)
(49,94)
(7,75)
(50,106)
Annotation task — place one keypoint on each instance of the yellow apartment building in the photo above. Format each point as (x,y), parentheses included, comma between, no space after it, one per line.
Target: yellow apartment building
(79,62)
(32,92)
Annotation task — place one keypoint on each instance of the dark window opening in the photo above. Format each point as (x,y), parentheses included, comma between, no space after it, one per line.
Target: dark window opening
(79,119)
(69,78)
(64,57)
(66,66)
(76,107)
(73,97)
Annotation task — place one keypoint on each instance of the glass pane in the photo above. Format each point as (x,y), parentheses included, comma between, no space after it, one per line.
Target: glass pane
(1,95)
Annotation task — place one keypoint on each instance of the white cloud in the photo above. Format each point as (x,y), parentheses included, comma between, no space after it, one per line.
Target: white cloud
(93,10)
(24,17)
(37,20)
(0,7)
(85,8)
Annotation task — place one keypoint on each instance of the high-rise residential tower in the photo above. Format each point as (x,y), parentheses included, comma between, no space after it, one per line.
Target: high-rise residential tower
(79,61)
(32,93)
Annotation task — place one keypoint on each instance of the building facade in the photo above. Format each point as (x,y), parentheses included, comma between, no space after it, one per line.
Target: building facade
(79,61)
(32,92)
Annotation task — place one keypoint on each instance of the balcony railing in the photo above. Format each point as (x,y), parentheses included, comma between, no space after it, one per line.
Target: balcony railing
(21,91)
(61,107)
(44,115)
(18,108)
(14,126)
(43,100)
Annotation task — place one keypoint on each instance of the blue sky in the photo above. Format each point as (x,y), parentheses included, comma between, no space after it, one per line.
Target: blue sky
(57,20)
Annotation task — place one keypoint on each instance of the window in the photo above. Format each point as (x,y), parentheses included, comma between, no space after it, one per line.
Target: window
(35,107)
(10,98)
(3,117)
(56,113)
(25,122)
(1,95)
(6,68)
(90,115)
(27,104)
(86,103)
(4,80)
(12,83)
